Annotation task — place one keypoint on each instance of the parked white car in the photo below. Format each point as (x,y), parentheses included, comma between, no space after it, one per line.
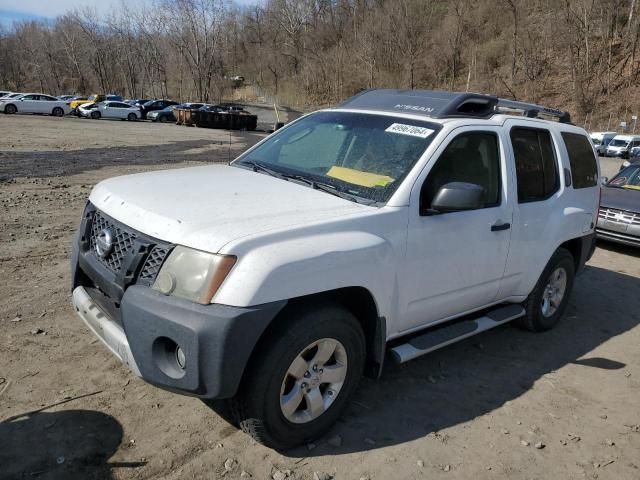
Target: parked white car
(35,103)
(109,109)
(397,223)
(601,140)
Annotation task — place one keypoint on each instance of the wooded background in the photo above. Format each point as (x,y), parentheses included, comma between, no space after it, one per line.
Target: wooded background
(580,55)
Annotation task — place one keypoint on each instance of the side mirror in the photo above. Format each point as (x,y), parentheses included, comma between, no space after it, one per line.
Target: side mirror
(604,180)
(455,197)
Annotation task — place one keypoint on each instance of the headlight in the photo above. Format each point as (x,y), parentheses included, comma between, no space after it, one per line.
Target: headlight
(192,274)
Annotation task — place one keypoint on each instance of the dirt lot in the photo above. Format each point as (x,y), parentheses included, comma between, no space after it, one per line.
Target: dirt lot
(506,404)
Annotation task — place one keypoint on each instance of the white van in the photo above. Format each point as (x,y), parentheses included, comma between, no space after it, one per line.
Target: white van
(621,145)
(601,140)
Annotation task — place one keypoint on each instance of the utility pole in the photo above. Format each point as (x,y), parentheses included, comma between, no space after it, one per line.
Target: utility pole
(635,120)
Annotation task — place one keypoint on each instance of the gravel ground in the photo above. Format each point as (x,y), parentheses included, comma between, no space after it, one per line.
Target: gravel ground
(505,404)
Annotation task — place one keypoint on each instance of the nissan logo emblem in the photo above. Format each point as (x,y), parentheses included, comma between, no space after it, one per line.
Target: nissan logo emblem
(104,243)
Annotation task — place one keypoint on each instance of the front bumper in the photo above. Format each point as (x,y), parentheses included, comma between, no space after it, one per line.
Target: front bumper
(624,239)
(217,340)
(144,328)
(616,153)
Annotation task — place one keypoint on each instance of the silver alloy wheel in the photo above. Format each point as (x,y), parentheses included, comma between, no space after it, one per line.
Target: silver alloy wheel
(554,292)
(313,381)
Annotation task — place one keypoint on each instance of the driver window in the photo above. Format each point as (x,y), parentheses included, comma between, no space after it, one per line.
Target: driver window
(470,158)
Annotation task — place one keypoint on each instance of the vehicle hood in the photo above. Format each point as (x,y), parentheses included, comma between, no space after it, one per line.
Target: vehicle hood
(207,207)
(621,199)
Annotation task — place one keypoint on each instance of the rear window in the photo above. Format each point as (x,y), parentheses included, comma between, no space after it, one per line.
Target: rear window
(582,159)
(536,168)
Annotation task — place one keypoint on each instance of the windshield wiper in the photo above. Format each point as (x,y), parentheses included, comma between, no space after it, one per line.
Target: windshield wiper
(330,189)
(258,167)
(325,187)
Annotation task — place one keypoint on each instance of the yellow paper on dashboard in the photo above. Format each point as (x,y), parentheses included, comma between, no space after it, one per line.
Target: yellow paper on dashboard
(356,177)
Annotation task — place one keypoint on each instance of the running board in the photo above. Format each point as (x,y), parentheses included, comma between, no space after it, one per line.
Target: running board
(441,336)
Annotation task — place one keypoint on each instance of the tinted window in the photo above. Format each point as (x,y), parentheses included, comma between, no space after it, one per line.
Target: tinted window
(47,98)
(471,158)
(583,162)
(536,168)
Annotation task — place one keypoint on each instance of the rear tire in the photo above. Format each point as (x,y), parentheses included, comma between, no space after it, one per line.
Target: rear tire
(132,117)
(57,112)
(547,302)
(283,401)
(96,115)
(10,109)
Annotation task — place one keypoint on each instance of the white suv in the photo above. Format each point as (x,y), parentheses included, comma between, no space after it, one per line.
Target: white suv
(341,239)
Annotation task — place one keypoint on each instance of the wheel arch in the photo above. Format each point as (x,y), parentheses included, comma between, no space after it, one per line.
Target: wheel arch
(581,248)
(357,300)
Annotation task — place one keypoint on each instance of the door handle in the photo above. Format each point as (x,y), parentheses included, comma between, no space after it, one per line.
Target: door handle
(498,227)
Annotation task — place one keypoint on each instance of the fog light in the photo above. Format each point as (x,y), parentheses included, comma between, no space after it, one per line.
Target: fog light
(180,358)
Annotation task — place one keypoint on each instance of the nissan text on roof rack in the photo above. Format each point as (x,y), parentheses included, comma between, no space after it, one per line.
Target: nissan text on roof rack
(388,227)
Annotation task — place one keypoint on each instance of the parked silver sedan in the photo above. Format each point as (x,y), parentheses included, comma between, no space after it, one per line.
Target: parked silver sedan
(109,109)
(619,214)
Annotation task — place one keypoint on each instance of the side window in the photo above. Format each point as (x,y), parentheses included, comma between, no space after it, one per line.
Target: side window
(536,168)
(30,97)
(583,162)
(472,158)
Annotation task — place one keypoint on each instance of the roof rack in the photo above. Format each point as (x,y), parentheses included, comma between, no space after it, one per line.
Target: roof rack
(435,104)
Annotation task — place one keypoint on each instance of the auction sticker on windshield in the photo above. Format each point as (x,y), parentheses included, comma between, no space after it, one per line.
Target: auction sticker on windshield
(412,130)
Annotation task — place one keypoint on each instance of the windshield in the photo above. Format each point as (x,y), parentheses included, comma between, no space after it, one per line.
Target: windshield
(616,142)
(363,155)
(627,178)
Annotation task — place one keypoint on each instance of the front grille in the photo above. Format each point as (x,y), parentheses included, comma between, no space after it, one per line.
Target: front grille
(122,241)
(153,263)
(619,216)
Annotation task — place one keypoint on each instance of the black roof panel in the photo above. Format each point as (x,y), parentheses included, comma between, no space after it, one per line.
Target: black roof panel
(436,104)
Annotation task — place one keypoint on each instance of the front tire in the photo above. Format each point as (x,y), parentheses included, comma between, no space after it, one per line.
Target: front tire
(10,109)
(547,302)
(301,377)
(132,117)
(57,112)
(95,115)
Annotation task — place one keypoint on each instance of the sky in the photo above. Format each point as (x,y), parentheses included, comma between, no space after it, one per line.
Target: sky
(18,10)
